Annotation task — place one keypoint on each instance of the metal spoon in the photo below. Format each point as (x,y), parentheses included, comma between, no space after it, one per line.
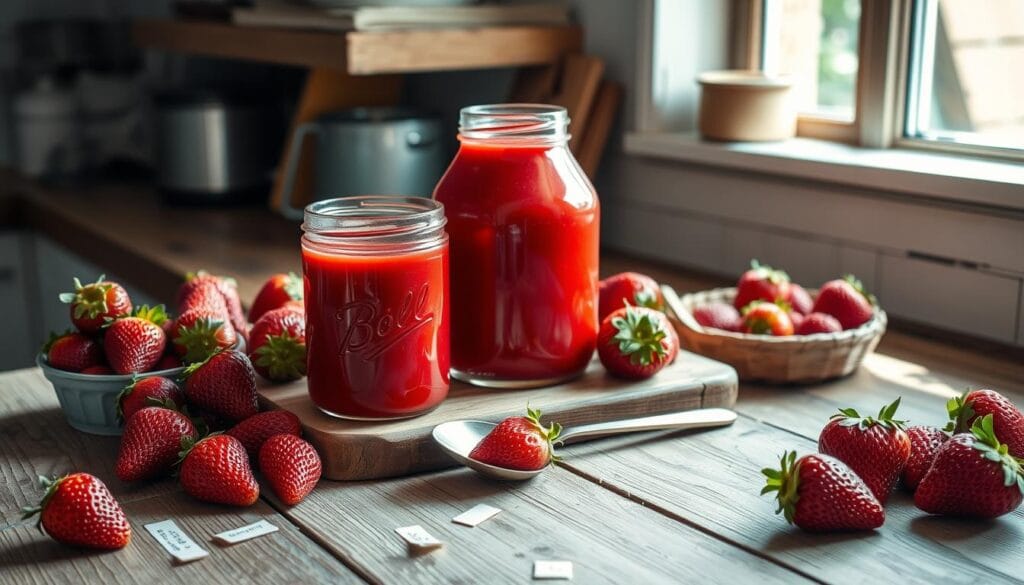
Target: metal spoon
(458,437)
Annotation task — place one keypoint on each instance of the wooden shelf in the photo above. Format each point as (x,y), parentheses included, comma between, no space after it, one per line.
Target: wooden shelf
(366,53)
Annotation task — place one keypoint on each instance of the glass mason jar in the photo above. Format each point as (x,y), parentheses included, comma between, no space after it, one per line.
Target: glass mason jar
(376,281)
(523,220)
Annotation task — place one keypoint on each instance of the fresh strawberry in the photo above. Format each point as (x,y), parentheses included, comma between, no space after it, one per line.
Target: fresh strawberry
(636,342)
(799,299)
(206,296)
(228,290)
(279,290)
(277,345)
(797,320)
(847,301)
(100,370)
(519,442)
(73,352)
(216,469)
(974,404)
(973,475)
(876,449)
(719,316)
(761,283)
(628,288)
(818,323)
(79,510)
(924,444)
(169,361)
(224,384)
(94,304)
(764,318)
(150,391)
(256,429)
(135,344)
(819,493)
(198,333)
(151,442)
(291,466)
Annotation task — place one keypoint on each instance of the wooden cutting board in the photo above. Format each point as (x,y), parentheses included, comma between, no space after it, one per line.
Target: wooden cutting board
(359,450)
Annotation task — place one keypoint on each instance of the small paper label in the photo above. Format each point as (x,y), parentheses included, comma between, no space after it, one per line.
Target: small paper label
(476,515)
(176,542)
(552,570)
(419,540)
(244,533)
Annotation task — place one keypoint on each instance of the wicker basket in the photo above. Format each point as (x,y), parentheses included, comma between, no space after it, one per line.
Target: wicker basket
(795,359)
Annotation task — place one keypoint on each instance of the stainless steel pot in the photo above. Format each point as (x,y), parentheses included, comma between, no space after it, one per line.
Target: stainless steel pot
(212,147)
(382,150)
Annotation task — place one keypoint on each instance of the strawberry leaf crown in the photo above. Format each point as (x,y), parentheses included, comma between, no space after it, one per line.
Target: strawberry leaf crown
(550,433)
(960,411)
(859,287)
(156,315)
(986,442)
(50,484)
(293,286)
(849,417)
(89,300)
(284,356)
(772,275)
(639,335)
(200,339)
(784,481)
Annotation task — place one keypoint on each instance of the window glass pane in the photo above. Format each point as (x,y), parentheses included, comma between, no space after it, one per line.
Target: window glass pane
(967,72)
(816,42)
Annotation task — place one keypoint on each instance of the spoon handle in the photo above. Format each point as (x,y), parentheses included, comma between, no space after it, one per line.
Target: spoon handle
(690,419)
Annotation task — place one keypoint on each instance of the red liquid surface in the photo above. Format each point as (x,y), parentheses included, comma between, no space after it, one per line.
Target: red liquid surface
(523,228)
(377,332)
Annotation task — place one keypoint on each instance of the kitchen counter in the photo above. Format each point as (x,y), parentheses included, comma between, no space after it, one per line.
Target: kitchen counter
(651,508)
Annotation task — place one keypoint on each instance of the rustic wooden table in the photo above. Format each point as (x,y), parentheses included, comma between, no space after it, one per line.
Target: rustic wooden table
(651,508)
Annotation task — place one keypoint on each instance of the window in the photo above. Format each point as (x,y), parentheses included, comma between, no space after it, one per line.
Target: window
(940,74)
(966,73)
(815,42)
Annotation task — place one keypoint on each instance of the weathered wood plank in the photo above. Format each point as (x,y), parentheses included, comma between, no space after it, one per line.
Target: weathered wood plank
(712,479)
(35,440)
(287,556)
(924,391)
(557,515)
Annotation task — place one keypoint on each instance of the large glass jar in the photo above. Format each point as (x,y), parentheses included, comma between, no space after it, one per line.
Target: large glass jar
(376,273)
(523,220)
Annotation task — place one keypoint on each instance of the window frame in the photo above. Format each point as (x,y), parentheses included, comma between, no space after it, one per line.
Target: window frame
(888,64)
(910,65)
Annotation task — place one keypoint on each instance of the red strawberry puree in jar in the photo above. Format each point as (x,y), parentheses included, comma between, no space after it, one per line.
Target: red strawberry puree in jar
(523,220)
(376,283)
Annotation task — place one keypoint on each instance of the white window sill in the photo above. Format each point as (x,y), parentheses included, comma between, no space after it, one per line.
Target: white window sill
(925,174)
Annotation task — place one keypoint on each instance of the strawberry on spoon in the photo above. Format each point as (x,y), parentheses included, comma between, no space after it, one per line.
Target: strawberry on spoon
(519,442)
(461,438)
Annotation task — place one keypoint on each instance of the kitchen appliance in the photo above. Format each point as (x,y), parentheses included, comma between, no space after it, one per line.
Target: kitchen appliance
(47,131)
(214,147)
(379,150)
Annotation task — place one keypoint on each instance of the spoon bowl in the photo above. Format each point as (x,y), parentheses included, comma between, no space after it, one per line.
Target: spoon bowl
(459,437)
